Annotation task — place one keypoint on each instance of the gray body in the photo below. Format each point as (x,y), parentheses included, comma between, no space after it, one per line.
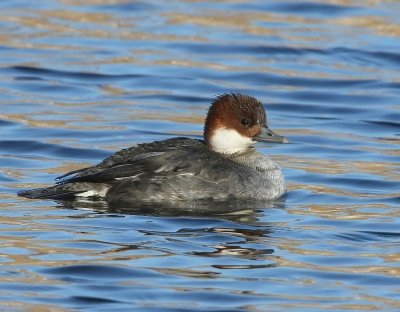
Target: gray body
(178,169)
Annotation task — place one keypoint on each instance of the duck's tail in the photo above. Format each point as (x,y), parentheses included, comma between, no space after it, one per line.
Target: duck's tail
(67,191)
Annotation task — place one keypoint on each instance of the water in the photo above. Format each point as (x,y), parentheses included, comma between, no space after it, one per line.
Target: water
(79,81)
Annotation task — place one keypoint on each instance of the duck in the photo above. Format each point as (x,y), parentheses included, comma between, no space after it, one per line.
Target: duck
(225,165)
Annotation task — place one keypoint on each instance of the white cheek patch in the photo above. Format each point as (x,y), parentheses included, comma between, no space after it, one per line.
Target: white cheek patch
(228,141)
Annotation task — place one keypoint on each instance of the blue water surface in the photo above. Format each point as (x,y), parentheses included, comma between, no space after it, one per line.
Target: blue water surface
(82,79)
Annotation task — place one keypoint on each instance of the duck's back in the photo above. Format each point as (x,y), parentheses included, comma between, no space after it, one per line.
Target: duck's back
(134,160)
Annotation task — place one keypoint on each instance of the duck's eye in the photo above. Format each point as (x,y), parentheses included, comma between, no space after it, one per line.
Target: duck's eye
(245,122)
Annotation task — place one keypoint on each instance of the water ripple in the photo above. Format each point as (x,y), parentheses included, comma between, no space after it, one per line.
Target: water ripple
(81,80)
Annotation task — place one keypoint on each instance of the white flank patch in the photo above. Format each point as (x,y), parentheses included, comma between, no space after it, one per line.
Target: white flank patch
(130,177)
(229,141)
(91,193)
(86,194)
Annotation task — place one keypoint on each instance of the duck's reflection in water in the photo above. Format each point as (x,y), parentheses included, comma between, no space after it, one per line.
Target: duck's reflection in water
(205,208)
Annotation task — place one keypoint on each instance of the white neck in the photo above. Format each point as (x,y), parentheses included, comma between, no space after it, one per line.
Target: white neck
(229,141)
